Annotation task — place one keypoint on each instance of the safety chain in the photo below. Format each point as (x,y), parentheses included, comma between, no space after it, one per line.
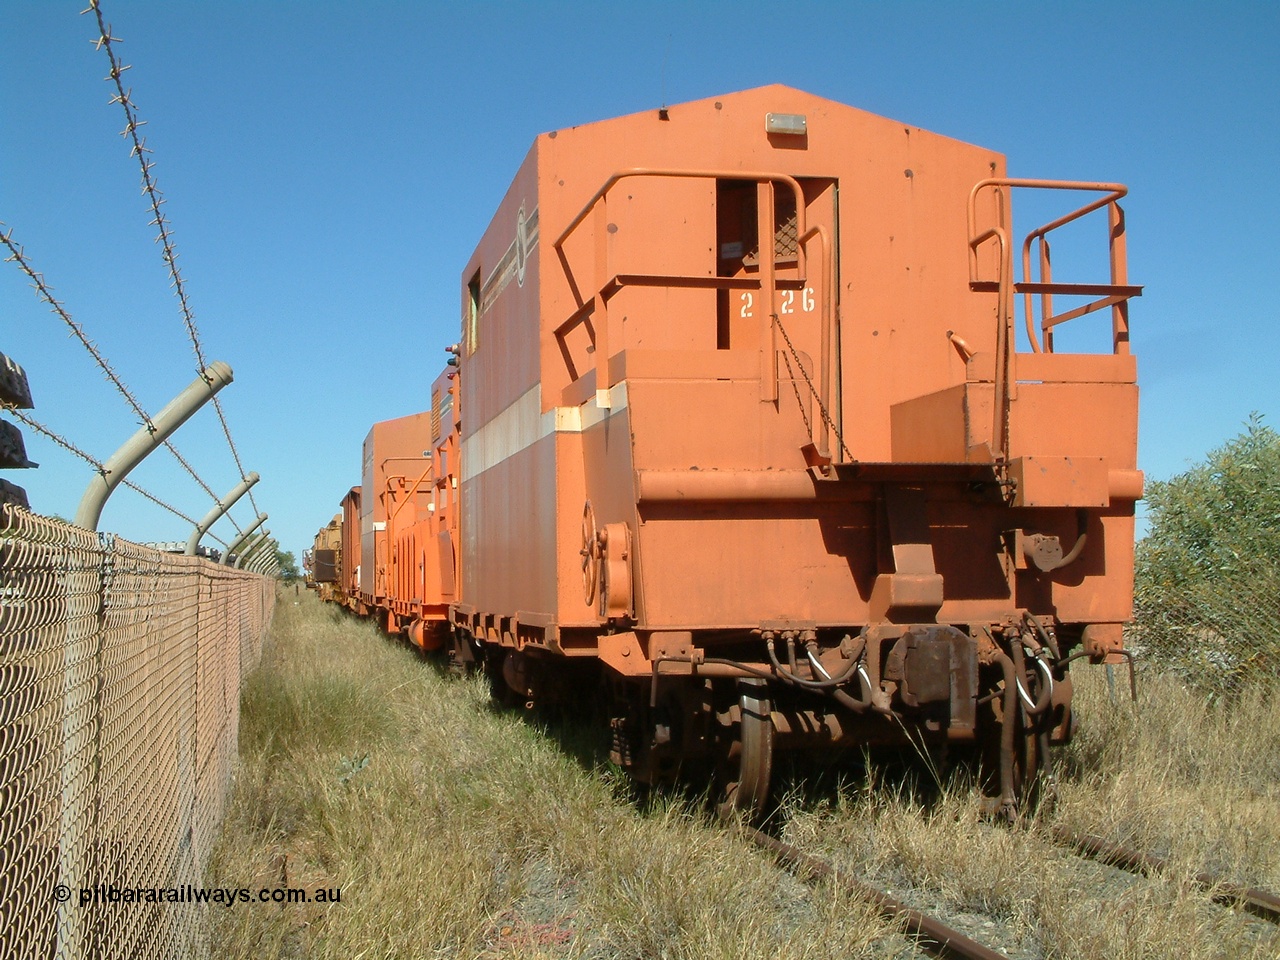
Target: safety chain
(152,190)
(826,417)
(17,255)
(804,414)
(97,464)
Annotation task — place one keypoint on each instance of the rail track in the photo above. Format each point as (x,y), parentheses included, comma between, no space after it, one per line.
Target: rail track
(939,939)
(1260,903)
(929,933)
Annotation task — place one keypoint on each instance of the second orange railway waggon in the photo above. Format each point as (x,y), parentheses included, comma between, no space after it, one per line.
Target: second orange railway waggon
(756,423)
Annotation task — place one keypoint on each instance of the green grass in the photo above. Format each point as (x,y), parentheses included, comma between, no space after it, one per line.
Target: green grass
(1180,774)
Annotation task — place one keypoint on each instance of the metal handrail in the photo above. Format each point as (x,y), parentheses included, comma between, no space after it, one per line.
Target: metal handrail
(608,282)
(1114,294)
(754,175)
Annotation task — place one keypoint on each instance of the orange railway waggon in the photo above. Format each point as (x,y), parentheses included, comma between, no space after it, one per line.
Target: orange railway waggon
(757,422)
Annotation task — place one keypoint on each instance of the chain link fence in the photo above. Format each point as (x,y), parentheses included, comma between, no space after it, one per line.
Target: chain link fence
(120,671)
(1218,635)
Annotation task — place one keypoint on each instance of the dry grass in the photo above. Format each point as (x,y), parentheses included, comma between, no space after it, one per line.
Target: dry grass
(468,833)
(1177,774)
(1198,784)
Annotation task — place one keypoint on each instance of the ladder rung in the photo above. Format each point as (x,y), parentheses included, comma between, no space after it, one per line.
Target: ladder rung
(1066,289)
(1079,289)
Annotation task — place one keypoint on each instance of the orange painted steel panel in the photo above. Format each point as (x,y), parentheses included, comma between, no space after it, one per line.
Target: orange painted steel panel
(625,263)
(733,394)
(394,473)
(1060,482)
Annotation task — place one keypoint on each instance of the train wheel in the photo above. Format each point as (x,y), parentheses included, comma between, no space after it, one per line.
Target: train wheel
(746,762)
(494,658)
(462,653)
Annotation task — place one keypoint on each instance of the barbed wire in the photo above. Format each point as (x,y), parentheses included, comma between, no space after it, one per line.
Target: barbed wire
(17,255)
(66,444)
(152,190)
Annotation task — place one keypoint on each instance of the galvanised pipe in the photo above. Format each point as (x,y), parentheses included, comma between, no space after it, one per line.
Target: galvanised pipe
(257,542)
(255,563)
(255,551)
(199,392)
(267,554)
(231,547)
(221,507)
(260,553)
(263,557)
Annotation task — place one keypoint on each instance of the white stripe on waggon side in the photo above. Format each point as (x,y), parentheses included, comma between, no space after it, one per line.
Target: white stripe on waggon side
(523,424)
(512,264)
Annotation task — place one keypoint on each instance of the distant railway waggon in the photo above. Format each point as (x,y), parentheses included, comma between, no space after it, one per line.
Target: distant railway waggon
(745,428)
(322,562)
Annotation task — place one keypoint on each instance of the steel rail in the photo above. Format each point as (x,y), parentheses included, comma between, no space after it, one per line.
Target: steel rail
(1258,902)
(930,933)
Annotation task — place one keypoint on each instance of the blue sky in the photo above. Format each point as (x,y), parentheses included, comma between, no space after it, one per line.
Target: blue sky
(329,167)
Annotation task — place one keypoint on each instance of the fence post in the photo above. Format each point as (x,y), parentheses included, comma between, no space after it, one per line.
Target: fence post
(262,556)
(265,558)
(221,507)
(231,547)
(201,390)
(257,542)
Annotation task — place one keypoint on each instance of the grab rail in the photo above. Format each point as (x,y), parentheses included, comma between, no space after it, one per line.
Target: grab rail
(1115,294)
(608,283)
